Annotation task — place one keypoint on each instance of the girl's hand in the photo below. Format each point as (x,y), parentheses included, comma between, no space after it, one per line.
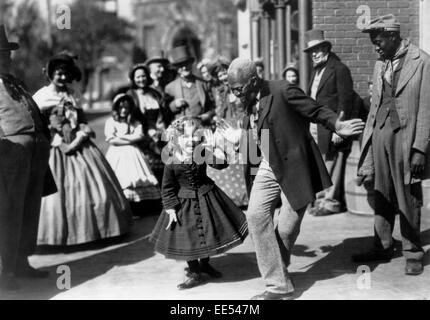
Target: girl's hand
(152,133)
(209,139)
(172,217)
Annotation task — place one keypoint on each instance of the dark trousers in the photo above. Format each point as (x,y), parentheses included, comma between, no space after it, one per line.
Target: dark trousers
(23,165)
(392,196)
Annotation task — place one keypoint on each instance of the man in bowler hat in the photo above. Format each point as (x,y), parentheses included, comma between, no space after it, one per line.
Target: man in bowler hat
(394,156)
(156,65)
(24,154)
(187,94)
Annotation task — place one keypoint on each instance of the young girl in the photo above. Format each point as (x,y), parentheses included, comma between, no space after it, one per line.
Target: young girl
(123,133)
(199,220)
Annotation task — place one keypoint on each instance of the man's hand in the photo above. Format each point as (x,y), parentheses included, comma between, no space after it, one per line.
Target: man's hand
(180,103)
(229,133)
(348,128)
(336,140)
(172,217)
(366,181)
(418,161)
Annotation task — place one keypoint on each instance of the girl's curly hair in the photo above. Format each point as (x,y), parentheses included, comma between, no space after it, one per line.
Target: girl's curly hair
(177,129)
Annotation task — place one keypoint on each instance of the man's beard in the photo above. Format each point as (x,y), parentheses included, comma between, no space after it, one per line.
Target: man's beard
(320,61)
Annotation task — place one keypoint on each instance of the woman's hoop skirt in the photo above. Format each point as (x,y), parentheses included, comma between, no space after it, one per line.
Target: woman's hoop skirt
(89,205)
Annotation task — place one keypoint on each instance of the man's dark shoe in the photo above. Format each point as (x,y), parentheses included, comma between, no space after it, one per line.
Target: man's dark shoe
(30,272)
(374,255)
(322,212)
(8,283)
(414,267)
(274,296)
(194,280)
(211,271)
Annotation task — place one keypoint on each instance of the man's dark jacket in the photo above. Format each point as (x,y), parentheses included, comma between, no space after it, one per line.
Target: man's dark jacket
(336,92)
(294,157)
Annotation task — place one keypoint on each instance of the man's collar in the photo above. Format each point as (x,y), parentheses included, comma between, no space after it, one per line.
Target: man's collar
(191,79)
(258,97)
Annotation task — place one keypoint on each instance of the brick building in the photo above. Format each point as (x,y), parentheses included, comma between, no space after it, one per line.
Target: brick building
(339,21)
(207,27)
(281,24)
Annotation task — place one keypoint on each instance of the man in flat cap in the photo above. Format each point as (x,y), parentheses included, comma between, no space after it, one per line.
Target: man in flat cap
(24,154)
(394,156)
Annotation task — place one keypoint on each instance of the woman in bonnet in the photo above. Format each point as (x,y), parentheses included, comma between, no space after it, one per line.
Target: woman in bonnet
(89,204)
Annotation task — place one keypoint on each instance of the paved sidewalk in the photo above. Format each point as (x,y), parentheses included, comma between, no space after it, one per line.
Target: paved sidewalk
(321,268)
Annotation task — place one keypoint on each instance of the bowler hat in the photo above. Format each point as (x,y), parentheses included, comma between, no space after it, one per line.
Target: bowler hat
(5,45)
(66,58)
(157,56)
(315,38)
(181,56)
(383,23)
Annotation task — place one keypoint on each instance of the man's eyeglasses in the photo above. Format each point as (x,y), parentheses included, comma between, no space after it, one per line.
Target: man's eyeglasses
(240,91)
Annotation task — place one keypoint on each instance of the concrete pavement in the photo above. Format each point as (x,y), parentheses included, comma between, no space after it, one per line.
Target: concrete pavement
(321,268)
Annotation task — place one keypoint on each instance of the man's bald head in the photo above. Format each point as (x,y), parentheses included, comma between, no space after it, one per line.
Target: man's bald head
(241,71)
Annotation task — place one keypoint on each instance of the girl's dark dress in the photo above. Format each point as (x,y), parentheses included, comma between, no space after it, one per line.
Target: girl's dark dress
(209,223)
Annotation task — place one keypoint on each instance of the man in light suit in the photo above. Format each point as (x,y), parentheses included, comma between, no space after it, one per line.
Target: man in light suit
(395,142)
(291,170)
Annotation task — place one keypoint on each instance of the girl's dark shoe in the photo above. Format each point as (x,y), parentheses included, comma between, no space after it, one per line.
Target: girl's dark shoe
(194,280)
(209,270)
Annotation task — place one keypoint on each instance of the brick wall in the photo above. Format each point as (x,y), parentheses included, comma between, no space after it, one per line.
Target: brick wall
(339,21)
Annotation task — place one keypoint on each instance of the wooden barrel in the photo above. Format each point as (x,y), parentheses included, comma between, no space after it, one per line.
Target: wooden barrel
(426,195)
(358,199)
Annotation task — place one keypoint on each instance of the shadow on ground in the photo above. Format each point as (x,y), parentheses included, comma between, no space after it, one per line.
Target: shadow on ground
(338,261)
(232,267)
(129,250)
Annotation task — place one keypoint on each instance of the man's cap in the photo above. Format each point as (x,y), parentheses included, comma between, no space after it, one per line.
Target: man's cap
(383,23)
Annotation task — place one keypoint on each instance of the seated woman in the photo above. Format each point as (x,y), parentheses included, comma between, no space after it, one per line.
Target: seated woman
(89,204)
